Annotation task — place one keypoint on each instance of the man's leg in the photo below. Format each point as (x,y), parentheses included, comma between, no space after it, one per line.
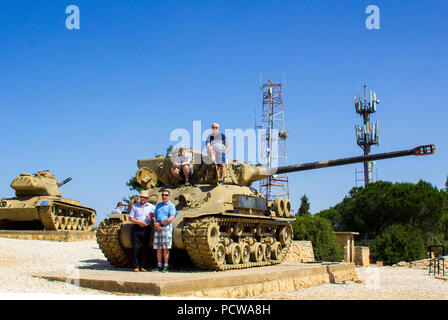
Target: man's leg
(175,172)
(186,171)
(166,256)
(222,170)
(135,246)
(145,249)
(159,257)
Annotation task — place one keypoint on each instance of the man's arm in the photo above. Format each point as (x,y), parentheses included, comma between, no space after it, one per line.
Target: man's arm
(171,216)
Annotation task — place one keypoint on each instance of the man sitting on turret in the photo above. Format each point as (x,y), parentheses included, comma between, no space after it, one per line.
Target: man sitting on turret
(182,167)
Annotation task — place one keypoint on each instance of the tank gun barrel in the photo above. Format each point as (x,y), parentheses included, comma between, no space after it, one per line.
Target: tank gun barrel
(64,182)
(418,151)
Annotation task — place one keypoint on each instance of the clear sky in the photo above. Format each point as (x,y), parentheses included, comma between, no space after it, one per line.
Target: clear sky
(88,103)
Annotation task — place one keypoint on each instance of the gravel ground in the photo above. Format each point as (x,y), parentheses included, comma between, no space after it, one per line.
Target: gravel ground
(377,283)
(21,259)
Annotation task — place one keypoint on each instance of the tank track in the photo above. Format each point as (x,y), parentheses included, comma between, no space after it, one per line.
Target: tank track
(108,239)
(205,246)
(62,216)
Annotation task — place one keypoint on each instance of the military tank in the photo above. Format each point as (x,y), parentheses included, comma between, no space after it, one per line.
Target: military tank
(39,205)
(221,227)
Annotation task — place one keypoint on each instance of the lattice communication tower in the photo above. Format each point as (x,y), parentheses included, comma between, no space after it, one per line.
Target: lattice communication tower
(272,151)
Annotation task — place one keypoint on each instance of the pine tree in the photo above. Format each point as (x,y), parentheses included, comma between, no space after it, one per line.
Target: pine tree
(304,209)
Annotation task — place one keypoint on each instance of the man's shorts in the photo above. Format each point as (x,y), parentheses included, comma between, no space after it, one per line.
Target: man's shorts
(163,239)
(220,157)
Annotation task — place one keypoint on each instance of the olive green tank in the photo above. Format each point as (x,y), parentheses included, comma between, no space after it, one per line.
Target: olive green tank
(39,205)
(221,227)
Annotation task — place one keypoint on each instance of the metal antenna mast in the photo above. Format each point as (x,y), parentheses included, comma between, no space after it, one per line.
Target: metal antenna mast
(367,134)
(273,141)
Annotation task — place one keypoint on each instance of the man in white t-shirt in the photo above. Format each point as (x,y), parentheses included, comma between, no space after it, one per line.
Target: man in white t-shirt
(182,165)
(141,231)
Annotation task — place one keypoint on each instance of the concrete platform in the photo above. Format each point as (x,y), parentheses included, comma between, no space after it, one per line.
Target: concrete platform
(244,283)
(56,235)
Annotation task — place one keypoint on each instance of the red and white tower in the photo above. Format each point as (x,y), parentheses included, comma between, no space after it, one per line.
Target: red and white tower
(272,151)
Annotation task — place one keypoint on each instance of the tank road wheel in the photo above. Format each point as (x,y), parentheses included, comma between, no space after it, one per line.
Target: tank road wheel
(70,223)
(284,236)
(57,222)
(234,254)
(220,254)
(64,223)
(287,211)
(75,224)
(245,252)
(266,251)
(279,206)
(256,254)
(83,224)
(276,250)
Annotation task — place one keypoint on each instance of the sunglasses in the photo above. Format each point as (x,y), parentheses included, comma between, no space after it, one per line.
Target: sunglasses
(215,127)
(165,195)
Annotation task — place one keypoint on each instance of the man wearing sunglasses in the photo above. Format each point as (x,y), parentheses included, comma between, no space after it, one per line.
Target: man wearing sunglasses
(218,146)
(163,234)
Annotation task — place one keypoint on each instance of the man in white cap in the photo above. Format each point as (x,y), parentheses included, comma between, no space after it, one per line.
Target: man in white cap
(141,231)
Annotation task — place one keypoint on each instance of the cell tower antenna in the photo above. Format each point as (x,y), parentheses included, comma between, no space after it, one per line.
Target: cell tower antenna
(368,133)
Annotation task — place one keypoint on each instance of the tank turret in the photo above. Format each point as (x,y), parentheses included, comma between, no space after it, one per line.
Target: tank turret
(42,183)
(221,227)
(240,173)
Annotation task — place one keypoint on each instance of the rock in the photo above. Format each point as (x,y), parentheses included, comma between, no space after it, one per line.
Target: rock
(301,251)
(401,264)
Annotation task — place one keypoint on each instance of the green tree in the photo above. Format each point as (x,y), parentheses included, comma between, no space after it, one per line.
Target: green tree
(319,231)
(134,185)
(372,209)
(399,243)
(304,209)
(333,216)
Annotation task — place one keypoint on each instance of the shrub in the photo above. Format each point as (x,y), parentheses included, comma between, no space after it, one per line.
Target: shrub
(319,231)
(399,243)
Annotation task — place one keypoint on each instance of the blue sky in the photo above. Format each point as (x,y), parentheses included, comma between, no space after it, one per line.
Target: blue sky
(89,103)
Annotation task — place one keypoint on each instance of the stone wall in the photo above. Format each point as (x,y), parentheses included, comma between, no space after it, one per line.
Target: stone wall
(362,256)
(300,251)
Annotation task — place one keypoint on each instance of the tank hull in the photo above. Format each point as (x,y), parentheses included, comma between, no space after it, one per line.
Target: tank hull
(44,212)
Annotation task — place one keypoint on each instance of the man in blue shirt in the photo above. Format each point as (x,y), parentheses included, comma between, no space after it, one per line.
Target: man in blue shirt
(163,234)
(140,216)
